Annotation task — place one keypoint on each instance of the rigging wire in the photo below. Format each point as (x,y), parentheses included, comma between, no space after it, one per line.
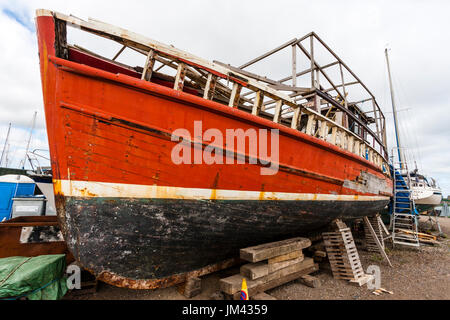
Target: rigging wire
(409,126)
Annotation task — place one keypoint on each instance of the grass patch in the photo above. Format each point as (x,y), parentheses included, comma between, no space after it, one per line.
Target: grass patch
(375,258)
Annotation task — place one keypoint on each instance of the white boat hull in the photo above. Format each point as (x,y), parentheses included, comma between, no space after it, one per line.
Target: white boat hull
(426,197)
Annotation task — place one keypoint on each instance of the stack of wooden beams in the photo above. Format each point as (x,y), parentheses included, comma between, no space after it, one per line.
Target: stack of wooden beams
(343,256)
(271,265)
(318,252)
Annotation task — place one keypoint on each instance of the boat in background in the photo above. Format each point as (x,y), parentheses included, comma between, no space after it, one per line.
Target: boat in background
(12,187)
(425,192)
(134,217)
(42,178)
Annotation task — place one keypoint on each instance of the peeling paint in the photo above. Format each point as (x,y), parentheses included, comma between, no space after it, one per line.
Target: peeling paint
(369,184)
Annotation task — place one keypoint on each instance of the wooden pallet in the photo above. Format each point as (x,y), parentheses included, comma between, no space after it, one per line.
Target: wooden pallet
(371,245)
(343,256)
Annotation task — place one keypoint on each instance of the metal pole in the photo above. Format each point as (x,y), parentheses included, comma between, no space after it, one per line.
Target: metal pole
(7,155)
(397,135)
(29,140)
(6,142)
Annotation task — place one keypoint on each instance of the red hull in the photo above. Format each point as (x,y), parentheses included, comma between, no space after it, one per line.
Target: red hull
(85,100)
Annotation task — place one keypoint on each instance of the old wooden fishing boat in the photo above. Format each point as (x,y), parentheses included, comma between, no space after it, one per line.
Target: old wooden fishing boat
(137,218)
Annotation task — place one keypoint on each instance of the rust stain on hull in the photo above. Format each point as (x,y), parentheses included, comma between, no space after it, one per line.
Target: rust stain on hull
(119,281)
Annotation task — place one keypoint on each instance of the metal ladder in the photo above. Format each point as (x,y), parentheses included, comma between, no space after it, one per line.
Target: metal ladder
(404,221)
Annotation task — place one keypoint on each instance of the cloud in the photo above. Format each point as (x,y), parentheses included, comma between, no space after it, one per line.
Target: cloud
(21,17)
(237,31)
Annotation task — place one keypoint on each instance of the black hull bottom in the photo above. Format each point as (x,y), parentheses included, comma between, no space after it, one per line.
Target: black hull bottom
(154,239)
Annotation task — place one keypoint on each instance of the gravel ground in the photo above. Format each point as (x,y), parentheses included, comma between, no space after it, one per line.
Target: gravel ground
(417,274)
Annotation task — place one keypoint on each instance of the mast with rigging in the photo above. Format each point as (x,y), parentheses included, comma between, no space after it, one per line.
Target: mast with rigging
(394,109)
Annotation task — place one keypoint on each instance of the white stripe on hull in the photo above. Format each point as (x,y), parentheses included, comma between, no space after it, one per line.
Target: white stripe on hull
(117,190)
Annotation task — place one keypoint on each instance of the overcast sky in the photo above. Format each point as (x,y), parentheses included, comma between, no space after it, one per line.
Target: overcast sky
(417,32)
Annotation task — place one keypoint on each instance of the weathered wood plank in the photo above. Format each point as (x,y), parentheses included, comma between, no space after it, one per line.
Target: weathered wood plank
(179,79)
(351,143)
(309,125)
(277,113)
(357,147)
(277,282)
(274,249)
(333,135)
(210,87)
(148,67)
(233,284)
(296,118)
(323,130)
(363,280)
(289,256)
(235,95)
(258,270)
(310,281)
(257,104)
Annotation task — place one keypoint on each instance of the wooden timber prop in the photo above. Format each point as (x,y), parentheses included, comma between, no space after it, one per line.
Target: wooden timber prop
(271,265)
(323,109)
(343,256)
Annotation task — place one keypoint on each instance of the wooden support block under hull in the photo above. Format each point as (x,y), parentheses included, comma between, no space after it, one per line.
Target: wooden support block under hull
(310,281)
(233,284)
(258,270)
(274,249)
(277,282)
(288,256)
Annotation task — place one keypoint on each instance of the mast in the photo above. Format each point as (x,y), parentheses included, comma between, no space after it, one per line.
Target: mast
(29,140)
(6,143)
(7,155)
(394,109)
